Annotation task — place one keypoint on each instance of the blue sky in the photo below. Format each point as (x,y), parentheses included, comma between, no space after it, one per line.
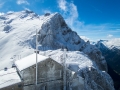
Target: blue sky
(94,19)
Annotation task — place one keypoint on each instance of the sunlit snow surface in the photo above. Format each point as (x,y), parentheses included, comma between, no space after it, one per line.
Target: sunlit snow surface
(75,60)
(9,77)
(15,29)
(29,61)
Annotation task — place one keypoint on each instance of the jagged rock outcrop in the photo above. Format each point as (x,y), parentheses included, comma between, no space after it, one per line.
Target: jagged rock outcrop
(56,34)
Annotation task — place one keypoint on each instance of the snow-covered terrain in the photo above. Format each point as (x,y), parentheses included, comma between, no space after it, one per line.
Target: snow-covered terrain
(9,77)
(17,40)
(30,60)
(15,29)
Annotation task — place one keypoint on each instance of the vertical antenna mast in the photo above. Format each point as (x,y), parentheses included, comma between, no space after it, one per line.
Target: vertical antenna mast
(36,56)
(64,71)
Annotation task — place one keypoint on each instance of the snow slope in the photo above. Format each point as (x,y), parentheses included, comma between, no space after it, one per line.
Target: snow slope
(15,29)
(9,77)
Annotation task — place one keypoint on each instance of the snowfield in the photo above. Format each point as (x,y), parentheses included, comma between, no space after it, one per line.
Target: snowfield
(9,77)
(12,40)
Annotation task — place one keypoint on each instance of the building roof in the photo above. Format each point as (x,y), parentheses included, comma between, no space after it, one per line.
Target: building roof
(9,77)
(29,61)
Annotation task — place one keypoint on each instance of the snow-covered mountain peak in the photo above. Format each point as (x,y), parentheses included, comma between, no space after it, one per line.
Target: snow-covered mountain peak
(10,16)
(55,33)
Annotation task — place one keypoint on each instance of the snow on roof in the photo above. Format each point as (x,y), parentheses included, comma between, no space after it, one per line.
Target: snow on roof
(9,77)
(29,61)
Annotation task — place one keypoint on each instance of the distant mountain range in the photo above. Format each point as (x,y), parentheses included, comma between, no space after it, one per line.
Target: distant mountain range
(111,51)
(17,40)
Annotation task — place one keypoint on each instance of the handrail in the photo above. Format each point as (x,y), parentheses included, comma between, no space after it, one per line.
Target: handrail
(8,81)
(7,73)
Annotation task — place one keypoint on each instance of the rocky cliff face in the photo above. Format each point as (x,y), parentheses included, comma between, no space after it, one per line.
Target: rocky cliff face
(18,29)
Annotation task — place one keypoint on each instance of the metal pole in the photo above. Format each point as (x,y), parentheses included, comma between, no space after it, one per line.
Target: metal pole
(36,57)
(64,57)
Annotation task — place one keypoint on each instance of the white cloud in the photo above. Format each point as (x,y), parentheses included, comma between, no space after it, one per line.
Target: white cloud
(70,13)
(47,11)
(62,5)
(1,13)
(10,12)
(110,36)
(19,2)
(26,9)
(114,41)
(85,38)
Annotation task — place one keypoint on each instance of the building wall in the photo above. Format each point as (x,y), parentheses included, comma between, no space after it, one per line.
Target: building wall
(18,86)
(29,87)
(50,76)
(28,75)
(53,85)
(49,70)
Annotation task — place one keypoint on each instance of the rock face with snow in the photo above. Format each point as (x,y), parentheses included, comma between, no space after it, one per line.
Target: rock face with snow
(17,38)
(111,52)
(55,33)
